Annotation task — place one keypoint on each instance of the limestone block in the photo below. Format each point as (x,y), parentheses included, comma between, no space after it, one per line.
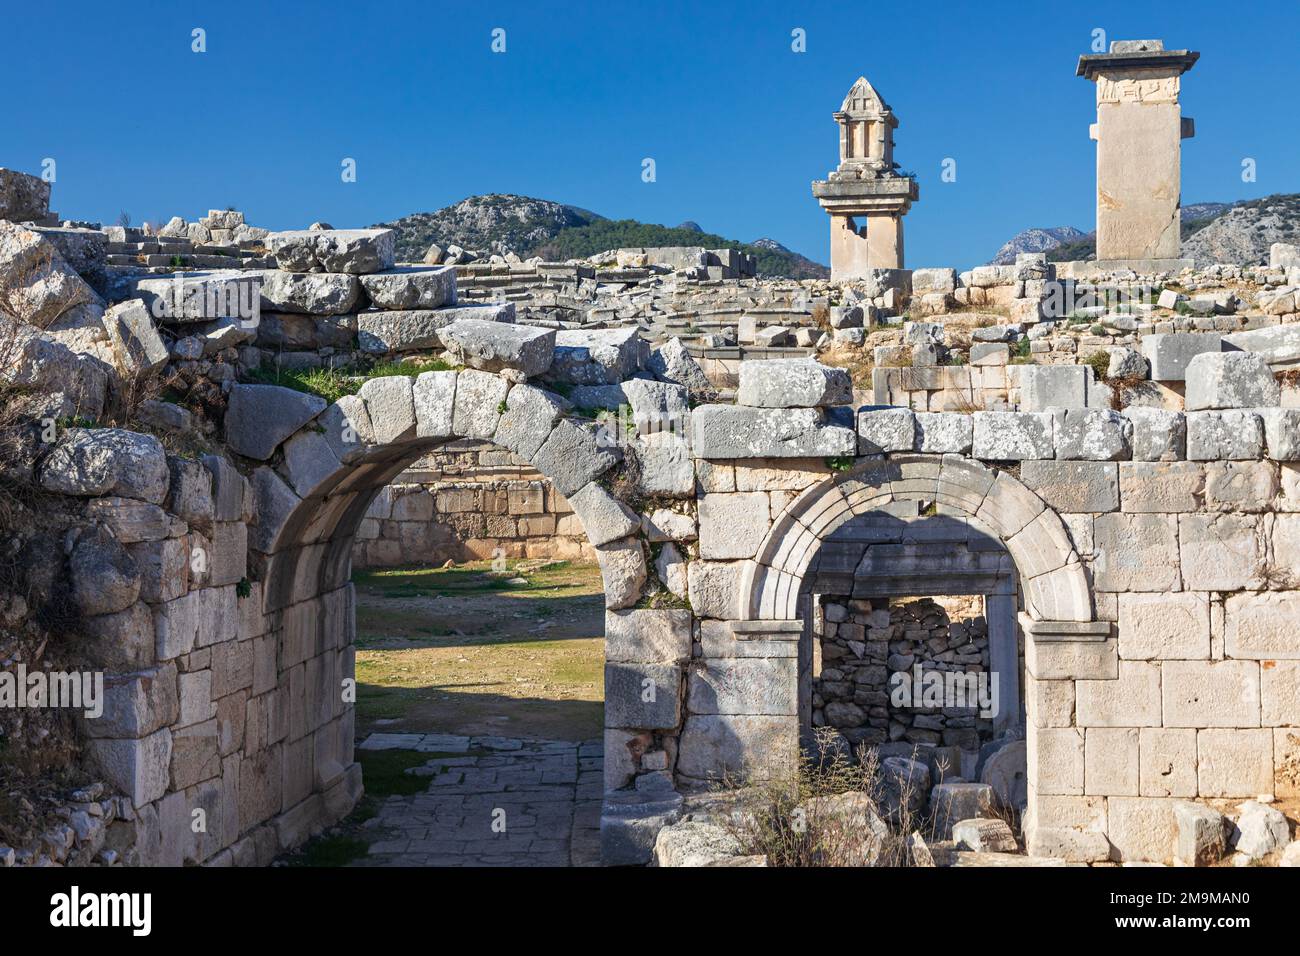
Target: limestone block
(884,428)
(752,685)
(1221,552)
(136,704)
(1074,486)
(958,801)
(943,432)
(648,635)
(715,588)
(433,396)
(1260,830)
(1133,700)
(352,251)
(137,767)
(411,287)
(124,641)
(667,468)
(310,293)
(1157,434)
(1229,380)
(1248,486)
(1110,766)
(671,362)
(792,383)
(195,754)
(744,746)
(409,330)
(390,403)
(477,408)
(228,488)
(1262,626)
(137,346)
(1234,763)
(1013,436)
(105,578)
(274,502)
(665,524)
(1161,487)
(496,346)
(93,462)
(1232,434)
(1167,765)
(196,619)
(1211,694)
(164,568)
(691,843)
(260,417)
(630,823)
(598,356)
(1052,386)
(131,521)
(623,571)
(604,517)
(1076,846)
(670,568)
(571,456)
(1169,626)
(1170,352)
(1091,435)
(1282,432)
(1054,758)
(1141,828)
(645,696)
(1049,703)
(1136,552)
(1280,693)
(309,462)
(733,525)
(734,431)
(984,836)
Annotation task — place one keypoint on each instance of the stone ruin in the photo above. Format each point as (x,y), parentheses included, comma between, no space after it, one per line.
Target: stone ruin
(1118,546)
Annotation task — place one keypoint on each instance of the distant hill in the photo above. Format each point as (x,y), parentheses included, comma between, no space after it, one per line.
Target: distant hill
(1034,240)
(1237,232)
(501,223)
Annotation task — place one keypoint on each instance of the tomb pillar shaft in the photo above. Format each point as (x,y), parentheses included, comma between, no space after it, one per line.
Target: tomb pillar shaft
(885,241)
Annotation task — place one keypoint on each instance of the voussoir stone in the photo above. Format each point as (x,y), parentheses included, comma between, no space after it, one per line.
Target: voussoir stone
(260,417)
(390,403)
(572,455)
(793,383)
(604,518)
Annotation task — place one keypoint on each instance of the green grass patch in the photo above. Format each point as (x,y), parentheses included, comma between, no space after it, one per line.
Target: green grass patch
(339,849)
(328,383)
(384,772)
(467,579)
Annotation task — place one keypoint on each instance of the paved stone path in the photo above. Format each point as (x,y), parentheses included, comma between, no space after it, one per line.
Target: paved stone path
(499,802)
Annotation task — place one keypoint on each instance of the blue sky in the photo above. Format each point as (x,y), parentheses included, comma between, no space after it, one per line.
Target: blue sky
(737,123)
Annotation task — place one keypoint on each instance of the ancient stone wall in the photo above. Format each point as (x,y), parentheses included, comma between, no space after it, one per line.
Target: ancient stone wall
(866,646)
(469,501)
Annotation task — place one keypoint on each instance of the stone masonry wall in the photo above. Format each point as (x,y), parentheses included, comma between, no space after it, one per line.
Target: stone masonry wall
(469,501)
(863,644)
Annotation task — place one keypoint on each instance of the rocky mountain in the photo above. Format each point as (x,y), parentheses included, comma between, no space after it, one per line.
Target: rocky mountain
(1238,232)
(501,223)
(494,223)
(1034,240)
(1243,232)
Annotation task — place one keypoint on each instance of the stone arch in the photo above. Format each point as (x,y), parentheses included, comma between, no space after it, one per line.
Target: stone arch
(1052,578)
(310,505)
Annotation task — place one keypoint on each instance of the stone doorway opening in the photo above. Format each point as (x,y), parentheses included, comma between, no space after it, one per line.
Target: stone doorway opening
(912,648)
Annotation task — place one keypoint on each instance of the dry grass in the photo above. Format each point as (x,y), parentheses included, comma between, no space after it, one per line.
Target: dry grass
(829,810)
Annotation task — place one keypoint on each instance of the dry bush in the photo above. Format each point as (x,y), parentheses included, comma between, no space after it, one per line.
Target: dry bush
(787,816)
